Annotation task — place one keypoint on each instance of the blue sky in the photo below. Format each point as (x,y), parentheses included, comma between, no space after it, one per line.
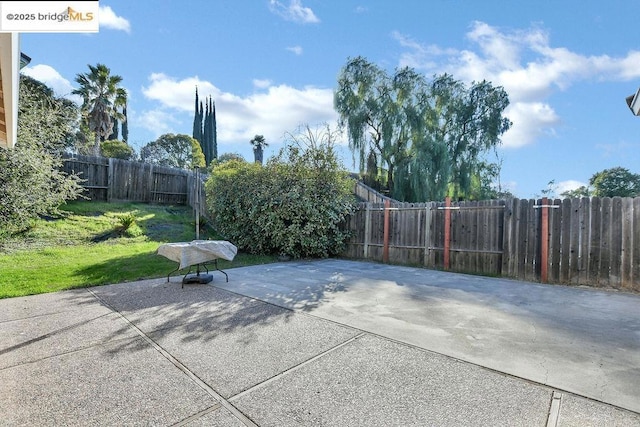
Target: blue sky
(272,65)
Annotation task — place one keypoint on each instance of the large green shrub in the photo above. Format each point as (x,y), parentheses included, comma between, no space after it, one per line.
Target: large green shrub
(31,180)
(293,206)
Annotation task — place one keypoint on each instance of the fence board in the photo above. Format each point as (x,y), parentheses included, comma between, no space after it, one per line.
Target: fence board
(615,278)
(583,255)
(635,243)
(626,275)
(574,240)
(595,239)
(605,242)
(555,248)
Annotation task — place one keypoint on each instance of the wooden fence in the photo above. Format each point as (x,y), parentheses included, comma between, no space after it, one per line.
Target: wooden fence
(587,241)
(115,180)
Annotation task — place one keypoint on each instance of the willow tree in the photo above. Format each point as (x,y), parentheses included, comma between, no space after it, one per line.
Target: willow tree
(431,137)
(102,101)
(381,113)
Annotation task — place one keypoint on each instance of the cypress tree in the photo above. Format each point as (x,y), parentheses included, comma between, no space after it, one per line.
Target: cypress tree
(206,149)
(114,132)
(125,126)
(197,121)
(204,128)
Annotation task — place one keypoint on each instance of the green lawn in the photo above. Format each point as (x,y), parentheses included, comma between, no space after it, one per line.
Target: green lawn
(86,246)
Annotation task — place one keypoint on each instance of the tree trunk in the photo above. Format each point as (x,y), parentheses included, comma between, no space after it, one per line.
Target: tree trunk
(96,146)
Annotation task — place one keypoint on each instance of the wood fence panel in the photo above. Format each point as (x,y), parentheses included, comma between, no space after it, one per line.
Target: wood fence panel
(93,173)
(554,253)
(459,219)
(635,242)
(626,259)
(565,240)
(605,242)
(109,179)
(595,240)
(615,278)
(509,238)
(583,255)
(591,241)
(574,241)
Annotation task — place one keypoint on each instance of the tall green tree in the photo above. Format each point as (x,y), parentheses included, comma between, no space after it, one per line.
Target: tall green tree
(381,113)
(208,142)
(102,101)
(125,124)
(432,138)
(463,124)
(616,181)
(178,151)
(204,128)
(197,120)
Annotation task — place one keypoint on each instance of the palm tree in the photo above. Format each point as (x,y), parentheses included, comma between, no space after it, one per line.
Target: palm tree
(258,143)
(102,101)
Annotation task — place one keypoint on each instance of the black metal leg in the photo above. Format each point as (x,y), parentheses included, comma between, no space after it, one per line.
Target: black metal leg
(169,275)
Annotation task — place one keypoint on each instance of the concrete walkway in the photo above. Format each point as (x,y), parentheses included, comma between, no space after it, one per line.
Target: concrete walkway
(322,343)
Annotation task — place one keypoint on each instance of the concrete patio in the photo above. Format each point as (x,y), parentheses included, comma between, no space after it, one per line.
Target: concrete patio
(322,343)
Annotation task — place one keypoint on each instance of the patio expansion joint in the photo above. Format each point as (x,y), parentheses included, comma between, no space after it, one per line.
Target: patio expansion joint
(296,367)
(221,400)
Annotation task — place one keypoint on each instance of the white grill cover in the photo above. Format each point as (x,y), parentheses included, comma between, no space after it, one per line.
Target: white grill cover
(198,251)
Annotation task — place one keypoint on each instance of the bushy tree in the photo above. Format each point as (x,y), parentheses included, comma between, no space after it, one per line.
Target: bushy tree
(616,181)
(582,191)
(45,121)
(117,149)
(294,205)
(178,151)
(31,181)
(225,157)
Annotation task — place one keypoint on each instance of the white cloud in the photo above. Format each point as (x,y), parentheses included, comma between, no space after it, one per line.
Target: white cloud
(158,121)
(569,185)
(49,76)
(262,83)
(531,120)
(295,49)
(109,19)
(294,12)
(272,111)
(528,67)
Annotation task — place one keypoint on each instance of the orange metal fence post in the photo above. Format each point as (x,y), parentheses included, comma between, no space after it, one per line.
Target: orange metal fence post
(447,231)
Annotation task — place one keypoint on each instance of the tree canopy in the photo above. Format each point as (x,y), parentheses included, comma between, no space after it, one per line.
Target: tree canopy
(179,151)
(431,137)
(616,181)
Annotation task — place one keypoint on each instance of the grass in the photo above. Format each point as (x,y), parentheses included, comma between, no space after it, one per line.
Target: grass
(94,243)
